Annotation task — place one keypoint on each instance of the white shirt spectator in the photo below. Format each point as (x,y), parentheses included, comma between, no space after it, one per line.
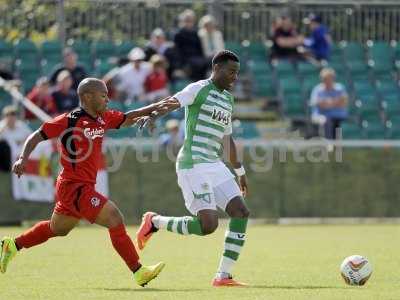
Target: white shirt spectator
(212,42)
(15,137)
(131,80)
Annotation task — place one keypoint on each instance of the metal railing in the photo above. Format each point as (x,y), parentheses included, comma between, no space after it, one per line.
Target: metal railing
(239,20)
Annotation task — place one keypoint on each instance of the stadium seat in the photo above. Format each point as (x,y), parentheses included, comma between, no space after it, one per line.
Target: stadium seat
(386,87)
(371,116)
(309,83)
(290,85)
(28,71)
(336,53)
(82,49)
(102,67)
(122,48)
(363,88)
(257,51)
(52,51)
(374,130)
(259,68)
(25,49)
(5,99)
(283,69)
(294,106)
(103,50)
(117,105)
(358,69)
(380,51)
(6,52)
(351,131)
(307,69)
(235,47)
(178,85)
(246,130)
(264,86)
(353,51)
(391,105)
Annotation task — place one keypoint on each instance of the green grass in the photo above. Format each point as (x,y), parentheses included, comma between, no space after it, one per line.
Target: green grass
(280,262)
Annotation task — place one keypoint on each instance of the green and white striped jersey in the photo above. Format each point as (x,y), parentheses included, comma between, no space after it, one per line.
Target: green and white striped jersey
(208,117)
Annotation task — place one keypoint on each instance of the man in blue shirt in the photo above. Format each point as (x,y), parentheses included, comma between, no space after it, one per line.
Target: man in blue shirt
(329,103)
(320,41)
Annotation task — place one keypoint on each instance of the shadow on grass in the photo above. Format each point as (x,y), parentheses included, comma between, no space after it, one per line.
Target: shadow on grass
(299,287)
(136,290)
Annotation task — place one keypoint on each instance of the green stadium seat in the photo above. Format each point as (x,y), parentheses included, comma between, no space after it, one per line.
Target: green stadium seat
(387,87)
(391,105)
(284,69)
(380,51)
(117,105)
(235,47)
(264,86)
(48,67)
(351,131)
(6,52)
(374,130)
(307,69)
(336,53)
(358,69)
(102,68)
(246,130)
(259,68)
(82,49)
(25,49)
(103,50)
(122,49)
(294,106)
(353,51)
(179,85)
(309,83)
(52,51)
(367,104)
(290,85)
(257,51)
(371,116)
(363,88)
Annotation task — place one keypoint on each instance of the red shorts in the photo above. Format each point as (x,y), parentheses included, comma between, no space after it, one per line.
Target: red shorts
(79,200)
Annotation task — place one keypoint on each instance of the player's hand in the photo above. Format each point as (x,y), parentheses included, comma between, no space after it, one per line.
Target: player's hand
(147,121)
(19,167)
(243,185)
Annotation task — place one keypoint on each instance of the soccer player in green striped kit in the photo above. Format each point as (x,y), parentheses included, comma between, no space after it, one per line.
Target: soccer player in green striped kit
(205,181)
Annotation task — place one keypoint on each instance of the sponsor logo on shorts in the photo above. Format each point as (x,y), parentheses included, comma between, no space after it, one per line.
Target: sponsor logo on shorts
(95,201)
(206,197)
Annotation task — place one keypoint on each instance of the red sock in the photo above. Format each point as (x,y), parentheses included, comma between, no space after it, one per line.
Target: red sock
(123,245)
(36,235)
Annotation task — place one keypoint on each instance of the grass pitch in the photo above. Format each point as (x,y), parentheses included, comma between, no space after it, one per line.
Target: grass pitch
(279,262)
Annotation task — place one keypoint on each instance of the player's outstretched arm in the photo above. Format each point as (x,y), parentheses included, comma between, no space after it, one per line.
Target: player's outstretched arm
(237,165)
(29,145)
(134,116)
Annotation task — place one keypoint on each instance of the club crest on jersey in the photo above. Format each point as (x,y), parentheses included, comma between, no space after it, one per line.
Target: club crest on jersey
(95,201)
(92,133)
(221,116)
(101,121)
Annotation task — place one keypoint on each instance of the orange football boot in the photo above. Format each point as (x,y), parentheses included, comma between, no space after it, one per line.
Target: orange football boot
(146,230)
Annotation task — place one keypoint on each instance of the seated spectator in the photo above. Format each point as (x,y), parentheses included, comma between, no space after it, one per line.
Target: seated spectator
(329,103)
(41,96)
(131,77)
(158,44)
(286,40)
(319,42)
(211,39)
(172,140)
(65,98)
(188,45)
(13,132)
(156,84)
(77,72)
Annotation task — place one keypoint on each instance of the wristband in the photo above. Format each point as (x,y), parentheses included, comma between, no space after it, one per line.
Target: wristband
(240,171)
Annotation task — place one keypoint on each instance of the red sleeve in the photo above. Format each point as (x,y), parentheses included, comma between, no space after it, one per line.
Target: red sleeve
(55,127)
(114,119)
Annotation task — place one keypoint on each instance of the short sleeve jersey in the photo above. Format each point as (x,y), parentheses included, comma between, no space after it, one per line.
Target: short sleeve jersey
(208,117)
(81,137)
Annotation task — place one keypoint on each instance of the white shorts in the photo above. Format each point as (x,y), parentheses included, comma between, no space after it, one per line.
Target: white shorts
(207,186)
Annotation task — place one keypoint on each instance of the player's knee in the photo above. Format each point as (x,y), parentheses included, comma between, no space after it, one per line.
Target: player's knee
(209,227)
(115,218)
(245,213)
(61,231)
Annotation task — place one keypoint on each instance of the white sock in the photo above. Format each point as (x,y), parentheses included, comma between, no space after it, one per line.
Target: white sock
(225,267)
(160,222)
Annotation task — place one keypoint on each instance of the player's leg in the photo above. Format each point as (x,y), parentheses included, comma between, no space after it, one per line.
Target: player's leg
(110,216)
(199,200)
(59,225)
(228,197)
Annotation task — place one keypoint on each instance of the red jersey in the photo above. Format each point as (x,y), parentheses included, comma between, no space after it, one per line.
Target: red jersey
(81,138)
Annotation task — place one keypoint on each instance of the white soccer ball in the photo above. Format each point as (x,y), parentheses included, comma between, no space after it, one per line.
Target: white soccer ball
(355,270)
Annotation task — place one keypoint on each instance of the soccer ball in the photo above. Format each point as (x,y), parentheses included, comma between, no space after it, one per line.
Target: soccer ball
(355,270)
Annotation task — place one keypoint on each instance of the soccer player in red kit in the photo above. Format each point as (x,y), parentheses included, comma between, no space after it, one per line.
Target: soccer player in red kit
(81,135)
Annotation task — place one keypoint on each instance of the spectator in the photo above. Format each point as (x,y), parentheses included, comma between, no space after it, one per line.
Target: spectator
(329,103)
(65,98)
(172,140)
(158,44)
(286,40)
(13,132)
(319,42)
(41,96)
(189,47)
(78,72)
(212,40)
(132,76)
(156,84)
